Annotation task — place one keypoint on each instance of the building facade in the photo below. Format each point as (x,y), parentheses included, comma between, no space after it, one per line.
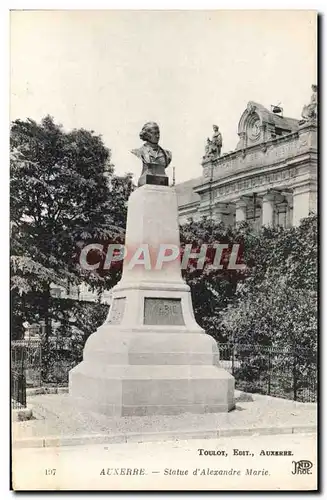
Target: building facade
(269,179)
(82,293)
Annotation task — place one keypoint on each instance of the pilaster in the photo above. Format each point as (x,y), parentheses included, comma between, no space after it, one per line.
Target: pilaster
(304,201)
(268,206)
(240,210)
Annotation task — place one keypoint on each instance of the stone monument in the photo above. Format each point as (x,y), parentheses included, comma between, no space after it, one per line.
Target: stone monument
(150,356)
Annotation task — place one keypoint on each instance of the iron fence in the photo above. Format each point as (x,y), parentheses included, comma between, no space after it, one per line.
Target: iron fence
(18,389)
(285,373)
(41,364)
(26,357)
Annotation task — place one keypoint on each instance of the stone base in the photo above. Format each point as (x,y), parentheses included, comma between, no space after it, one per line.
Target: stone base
(134,373)
(152,390)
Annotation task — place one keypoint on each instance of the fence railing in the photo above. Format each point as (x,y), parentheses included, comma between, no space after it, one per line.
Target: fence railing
(42,365)
(26,357)
(18,389)
(285,373)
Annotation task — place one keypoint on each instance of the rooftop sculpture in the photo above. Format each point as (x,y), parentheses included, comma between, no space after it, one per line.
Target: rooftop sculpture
(310,111)
(214,145)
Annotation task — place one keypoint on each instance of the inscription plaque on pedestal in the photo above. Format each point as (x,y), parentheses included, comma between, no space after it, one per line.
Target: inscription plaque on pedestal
(160,311)
(117,311)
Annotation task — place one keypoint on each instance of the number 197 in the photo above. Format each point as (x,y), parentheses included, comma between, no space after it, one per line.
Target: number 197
(50,472)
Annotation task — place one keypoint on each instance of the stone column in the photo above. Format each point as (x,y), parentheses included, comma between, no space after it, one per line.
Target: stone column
(290,214)
(218,212)
(304,201)
(289,208)
(268,209)
(240,210)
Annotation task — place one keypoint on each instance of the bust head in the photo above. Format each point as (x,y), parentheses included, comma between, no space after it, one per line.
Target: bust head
(215,128)
(150,132)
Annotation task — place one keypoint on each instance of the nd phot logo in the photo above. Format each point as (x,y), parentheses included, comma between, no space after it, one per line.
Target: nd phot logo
(302,467)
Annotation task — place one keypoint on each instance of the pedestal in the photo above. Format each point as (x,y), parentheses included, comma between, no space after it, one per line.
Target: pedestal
(150,356)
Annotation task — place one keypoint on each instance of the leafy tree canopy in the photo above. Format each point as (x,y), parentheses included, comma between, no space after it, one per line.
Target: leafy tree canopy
(276,294)
(63,193)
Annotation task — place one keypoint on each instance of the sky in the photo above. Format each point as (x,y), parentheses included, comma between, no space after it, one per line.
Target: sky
(112,71)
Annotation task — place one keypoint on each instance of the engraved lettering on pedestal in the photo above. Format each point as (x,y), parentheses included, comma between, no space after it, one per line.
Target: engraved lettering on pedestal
(160,311)
(117,311)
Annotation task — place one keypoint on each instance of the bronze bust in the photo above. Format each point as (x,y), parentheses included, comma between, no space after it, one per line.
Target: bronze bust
(154,158)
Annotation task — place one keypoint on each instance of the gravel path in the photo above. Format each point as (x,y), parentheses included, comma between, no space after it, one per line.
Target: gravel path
(60,418)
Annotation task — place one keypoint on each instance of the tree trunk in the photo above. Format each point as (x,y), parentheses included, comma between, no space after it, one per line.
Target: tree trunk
(47,332)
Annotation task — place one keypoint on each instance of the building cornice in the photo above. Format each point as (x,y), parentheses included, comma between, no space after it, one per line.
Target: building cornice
(250,149)
(300,160)
(272,152)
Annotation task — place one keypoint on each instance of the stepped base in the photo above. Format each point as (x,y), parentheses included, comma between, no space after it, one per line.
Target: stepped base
(152,390)
(130,373)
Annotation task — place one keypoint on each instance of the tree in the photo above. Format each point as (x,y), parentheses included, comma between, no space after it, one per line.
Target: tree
(271,306)
(212,289)
(74,321)
(269,255)
(63,194)
(276,308)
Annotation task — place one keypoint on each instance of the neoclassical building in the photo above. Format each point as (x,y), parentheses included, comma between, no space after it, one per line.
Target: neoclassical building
(81,292)
(269,179)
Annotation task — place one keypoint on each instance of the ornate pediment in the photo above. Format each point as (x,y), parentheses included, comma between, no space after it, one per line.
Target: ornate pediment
(258,124)
(253,127)
(250,126)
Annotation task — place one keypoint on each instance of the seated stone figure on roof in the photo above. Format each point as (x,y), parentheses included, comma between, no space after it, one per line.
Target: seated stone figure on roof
(310,111)
(213,146)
